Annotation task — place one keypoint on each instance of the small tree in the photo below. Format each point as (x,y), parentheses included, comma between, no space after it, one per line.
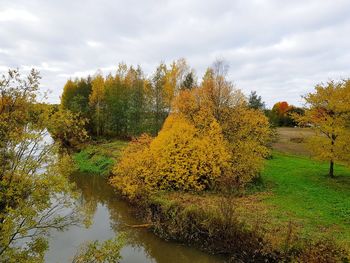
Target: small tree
(328,113)
(96,101)
(255,101)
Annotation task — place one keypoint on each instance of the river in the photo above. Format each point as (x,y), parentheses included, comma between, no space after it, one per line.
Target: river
(109,215)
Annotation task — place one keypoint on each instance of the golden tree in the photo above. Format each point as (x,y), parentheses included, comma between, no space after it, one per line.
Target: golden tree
(134,172)
(246,130)
(96,100)
(328,114)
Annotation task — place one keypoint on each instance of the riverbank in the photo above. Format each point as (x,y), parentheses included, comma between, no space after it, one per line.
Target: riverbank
(294,211)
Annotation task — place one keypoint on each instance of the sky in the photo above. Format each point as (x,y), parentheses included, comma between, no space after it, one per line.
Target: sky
(279,48)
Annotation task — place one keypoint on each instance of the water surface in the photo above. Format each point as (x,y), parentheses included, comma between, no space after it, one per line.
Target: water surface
(109,215)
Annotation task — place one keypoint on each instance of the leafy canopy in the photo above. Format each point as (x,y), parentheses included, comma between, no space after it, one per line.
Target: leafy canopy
(328,114)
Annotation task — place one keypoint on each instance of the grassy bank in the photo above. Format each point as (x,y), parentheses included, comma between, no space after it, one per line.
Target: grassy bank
(98,157)
(297,211)
(294,189)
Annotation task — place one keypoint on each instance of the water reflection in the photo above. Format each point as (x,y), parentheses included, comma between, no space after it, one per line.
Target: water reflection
(109,215)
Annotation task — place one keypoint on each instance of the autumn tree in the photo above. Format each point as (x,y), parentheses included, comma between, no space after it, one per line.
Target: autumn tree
(68,94)
(97,102)
(33,187)
(248,133)
(281,114)
(160,106)
(128,110)
(67,128)
(75,96)
(181,157)
(246,130)
(328,114)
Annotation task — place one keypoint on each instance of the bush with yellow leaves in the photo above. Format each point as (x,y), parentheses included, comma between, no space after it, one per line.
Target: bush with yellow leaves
(246,131)
(134,171)
(181,157)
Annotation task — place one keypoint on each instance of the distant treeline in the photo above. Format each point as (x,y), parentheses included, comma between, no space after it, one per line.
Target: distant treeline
(127,103)
(281,112)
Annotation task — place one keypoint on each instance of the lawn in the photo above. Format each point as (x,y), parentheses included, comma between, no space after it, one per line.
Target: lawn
(302,192)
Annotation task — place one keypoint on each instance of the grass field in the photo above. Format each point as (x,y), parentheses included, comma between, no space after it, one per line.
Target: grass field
(292,140)
(302,191)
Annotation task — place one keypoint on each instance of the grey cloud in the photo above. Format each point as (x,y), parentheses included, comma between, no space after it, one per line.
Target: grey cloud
(279,48)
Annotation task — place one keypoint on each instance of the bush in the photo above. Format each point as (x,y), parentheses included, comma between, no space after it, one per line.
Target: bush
(68,128)
(181,157)
(133,173)
(322,251)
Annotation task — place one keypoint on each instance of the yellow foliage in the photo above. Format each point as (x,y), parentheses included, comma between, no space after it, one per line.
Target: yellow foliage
(134,170)
(179,158)
(328,114)
(187,159)
(248,132)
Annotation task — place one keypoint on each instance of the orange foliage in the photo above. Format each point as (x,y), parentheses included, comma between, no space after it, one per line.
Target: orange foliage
(282,107)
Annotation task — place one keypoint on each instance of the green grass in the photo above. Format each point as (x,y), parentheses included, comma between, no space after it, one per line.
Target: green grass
(99,158)
(302,192)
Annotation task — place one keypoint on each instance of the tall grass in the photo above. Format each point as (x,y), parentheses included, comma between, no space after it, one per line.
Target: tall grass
(90,161)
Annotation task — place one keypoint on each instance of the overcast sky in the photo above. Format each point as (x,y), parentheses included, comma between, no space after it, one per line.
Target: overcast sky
(279,48)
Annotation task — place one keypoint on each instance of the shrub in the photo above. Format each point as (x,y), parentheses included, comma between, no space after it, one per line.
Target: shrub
(322,251)
(68,128)
(188,159)
(133,173)
(180,158)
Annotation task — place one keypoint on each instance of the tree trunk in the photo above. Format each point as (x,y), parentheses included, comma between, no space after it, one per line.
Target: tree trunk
(331,169)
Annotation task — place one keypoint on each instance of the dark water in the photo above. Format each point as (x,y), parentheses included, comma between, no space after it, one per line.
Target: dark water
(109,215)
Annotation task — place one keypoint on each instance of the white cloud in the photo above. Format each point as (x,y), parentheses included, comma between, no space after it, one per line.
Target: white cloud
(15,15)
(93,44)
